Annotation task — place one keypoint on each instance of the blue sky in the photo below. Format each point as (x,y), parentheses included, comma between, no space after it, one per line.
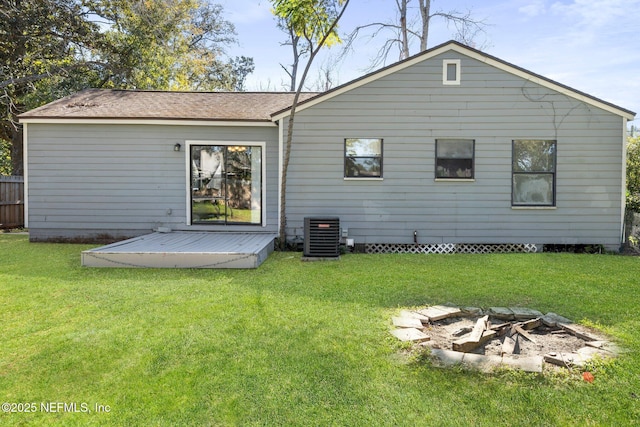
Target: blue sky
(591,45)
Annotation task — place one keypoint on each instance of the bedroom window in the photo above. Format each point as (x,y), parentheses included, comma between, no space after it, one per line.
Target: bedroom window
(534,173)
(451,72)
(363,158)
(455,158)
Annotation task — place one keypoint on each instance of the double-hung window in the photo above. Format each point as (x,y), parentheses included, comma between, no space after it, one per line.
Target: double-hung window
(533,172)
(454,158)
(363,158)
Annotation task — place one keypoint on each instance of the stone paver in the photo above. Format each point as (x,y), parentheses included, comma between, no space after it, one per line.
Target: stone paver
(527,364)
(567,359)
(481,362)
(414,314)
(552,320)
(502,313)
(407,322)
(523,313)
(447,357)
(410,334)
(580,332)
(439,312)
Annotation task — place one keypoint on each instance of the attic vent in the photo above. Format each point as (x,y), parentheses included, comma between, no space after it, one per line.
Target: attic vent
(322,237)
(451,72)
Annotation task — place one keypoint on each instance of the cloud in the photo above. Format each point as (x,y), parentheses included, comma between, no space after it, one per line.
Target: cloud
(595,13)
(533,9)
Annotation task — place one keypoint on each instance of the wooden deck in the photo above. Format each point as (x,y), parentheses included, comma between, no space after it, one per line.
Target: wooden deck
(184,249)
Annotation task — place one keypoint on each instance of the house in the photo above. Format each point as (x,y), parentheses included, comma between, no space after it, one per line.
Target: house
(451,146)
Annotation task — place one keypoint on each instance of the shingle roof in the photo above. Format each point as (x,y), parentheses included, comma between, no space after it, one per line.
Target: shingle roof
(161,105)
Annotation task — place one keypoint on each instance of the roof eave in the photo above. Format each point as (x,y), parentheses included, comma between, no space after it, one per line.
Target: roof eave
(167,121)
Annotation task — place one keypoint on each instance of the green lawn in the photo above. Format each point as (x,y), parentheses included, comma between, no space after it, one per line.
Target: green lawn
(295,343)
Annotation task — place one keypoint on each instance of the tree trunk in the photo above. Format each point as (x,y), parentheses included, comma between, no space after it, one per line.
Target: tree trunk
(425,11)
(402,6)
(287,148)
(17,165)
(295,39)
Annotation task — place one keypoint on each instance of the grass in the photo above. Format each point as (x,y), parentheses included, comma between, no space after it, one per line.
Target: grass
(295,343)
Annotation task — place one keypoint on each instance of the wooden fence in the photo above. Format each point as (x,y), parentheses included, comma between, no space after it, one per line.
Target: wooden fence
(11,201)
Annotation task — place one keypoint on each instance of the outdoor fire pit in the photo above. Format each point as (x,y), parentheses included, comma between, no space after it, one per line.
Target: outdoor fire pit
(515,337)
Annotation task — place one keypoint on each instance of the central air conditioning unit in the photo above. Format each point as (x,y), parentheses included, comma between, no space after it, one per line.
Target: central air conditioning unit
(322,237)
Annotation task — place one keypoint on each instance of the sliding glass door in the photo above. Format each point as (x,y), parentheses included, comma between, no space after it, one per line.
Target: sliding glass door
(226,184)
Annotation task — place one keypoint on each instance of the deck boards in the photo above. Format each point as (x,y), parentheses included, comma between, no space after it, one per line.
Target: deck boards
(184,249)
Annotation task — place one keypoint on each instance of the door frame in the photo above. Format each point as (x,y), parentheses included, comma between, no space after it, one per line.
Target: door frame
(263,177)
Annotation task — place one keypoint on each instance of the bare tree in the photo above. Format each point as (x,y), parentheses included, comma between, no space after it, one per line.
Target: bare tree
(408,27)
(325,77)
(298,51)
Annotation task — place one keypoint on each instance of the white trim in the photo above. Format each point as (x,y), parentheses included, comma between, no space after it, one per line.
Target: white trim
(471,54)
(533,208)
(455,180)
(262,144)
(624,179)
(346,178)
(280,167)
(156,122)
(25,172)
(445,73)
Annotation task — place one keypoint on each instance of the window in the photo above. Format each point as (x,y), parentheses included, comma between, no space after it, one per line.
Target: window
(363,158)
(454,158)
(534,173)
(226,184)
(451,72)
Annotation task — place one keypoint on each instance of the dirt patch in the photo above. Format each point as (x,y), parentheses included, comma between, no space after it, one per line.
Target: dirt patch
(517,337)
(547,339)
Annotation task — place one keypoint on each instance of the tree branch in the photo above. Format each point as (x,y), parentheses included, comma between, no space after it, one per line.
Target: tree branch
(56,71)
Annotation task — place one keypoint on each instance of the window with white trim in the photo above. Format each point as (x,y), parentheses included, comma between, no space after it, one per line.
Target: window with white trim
(363,158)
(451,72)
(533,172)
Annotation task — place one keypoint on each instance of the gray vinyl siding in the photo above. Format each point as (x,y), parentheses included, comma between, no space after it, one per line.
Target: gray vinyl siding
(117,181)
(409,110)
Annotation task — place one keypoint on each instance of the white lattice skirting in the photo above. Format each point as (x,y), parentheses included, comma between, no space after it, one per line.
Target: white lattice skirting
(448,248)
